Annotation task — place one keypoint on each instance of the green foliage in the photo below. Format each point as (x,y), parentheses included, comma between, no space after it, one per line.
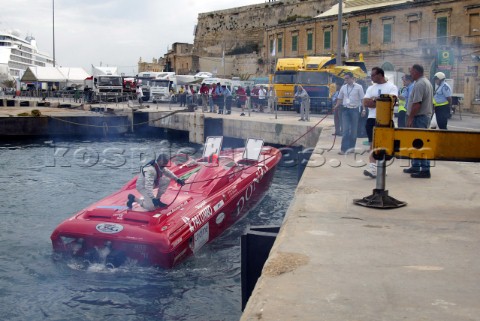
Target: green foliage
(8,83)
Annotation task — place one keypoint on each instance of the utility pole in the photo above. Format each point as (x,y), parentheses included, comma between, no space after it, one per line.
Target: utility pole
(339,34)
(53,30)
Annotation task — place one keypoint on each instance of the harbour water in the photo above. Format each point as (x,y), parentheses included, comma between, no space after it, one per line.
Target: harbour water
(43,183)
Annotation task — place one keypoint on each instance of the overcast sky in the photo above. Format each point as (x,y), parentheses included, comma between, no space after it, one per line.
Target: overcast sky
(114,32)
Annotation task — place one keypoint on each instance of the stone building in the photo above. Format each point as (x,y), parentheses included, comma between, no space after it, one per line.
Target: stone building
(181,59)
(155,65)
(239,32)
(442,35)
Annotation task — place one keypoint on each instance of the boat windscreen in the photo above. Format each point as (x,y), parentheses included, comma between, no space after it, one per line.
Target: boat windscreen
(253,148)
(213,145)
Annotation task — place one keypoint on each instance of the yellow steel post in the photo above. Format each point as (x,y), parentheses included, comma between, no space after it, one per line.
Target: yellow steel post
(380,199)
(384,105)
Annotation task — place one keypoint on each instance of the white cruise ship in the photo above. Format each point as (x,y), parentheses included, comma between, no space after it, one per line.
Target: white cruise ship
(17,54)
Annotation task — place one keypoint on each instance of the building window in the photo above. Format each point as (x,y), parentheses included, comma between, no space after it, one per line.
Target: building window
(279,45)
(413,30)
(474,24)
(363,35)
(271,46)
(294,42)
(442,24)
(387,33)
(344,35)
(309,41)
(327,40)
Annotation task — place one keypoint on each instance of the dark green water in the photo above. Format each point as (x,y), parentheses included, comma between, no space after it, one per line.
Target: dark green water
(42,183)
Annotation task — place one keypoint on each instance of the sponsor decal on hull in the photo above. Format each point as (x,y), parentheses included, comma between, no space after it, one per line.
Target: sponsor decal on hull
(109,228)
(200,218)
(202,204)
(251,188)
(176,208)
(220,218)
(218,205)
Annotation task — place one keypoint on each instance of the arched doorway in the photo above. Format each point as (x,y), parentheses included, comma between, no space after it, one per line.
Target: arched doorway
(386,66)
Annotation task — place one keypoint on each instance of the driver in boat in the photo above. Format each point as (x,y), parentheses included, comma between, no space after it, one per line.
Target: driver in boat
(152,175)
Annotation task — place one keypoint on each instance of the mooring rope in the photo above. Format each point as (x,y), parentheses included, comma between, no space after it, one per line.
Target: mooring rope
(117,126)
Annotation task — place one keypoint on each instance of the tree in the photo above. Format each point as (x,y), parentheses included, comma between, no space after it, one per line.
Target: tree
(9,83)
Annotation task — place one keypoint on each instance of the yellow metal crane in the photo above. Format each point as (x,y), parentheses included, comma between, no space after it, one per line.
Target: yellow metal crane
(389,142)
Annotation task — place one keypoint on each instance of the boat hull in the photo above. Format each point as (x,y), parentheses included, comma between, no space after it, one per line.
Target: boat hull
(214,200)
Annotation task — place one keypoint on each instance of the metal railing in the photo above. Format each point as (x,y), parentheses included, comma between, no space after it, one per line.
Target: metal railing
(248,104)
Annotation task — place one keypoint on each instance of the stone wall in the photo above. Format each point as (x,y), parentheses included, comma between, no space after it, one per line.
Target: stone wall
(239,30)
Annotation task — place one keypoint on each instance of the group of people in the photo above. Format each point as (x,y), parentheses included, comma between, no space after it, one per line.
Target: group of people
(418,101)
(219,98)
(186,95)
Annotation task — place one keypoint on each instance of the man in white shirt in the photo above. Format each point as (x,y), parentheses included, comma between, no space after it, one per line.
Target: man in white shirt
(139,94)
(262,95)
(350,98)
(380,86)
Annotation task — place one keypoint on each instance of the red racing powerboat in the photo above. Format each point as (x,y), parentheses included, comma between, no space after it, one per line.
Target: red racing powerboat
(220,188)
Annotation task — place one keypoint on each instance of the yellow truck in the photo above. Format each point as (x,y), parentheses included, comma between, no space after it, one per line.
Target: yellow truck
(318,76)
(284,80)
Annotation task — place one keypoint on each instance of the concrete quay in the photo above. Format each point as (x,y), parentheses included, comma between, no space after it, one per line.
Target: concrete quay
(280,129)
(59,122)
(333,260)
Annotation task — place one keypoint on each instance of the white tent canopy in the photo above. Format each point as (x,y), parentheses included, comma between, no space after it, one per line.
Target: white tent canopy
(65,75)
(74,75)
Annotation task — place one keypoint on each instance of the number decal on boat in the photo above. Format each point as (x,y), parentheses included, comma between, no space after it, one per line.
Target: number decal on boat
(200,237)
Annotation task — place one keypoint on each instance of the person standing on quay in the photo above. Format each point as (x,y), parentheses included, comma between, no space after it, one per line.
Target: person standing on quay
(403,100)
(204,94)
(271,99)
(337,112)
(442,100)
(262,95)
(211,94)
(302,94)
(139,94)
(228,99)
(220,102)
(380,86)
(350,98)
(419,112)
